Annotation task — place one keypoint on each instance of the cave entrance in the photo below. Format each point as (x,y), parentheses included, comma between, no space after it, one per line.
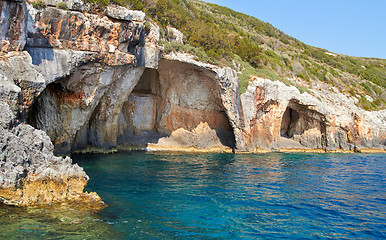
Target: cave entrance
(289,122)
(303,125)
(176,95)
(139,115)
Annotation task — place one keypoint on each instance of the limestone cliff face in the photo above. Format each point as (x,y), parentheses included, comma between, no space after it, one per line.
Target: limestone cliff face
(100,82)
(56,68)
(279,117)
(97,82)
(13,23)
(190,93)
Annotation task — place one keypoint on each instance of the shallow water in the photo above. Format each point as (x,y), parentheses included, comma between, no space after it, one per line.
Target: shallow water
(219,196)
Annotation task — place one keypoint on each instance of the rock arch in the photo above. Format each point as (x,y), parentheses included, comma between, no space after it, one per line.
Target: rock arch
(128,107)
(175,96)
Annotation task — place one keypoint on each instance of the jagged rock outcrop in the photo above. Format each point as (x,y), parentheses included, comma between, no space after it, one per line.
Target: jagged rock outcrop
(174,35)
(122,13)
(30,173)
(77,57)
(148,105)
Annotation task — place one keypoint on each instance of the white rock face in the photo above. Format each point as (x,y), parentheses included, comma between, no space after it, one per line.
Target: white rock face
(9,90)
(122,13)
(77,5)
(175,35)
(149,53)
(368,98)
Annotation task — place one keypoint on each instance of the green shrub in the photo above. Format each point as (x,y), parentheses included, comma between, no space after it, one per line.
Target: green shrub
(366,86)
(100,3)
(284,40)
(38,4)
(62,5)
(147,27)
(302,89)
(365,104)
(303,76)
(244,78)
(268,73)
(249,71)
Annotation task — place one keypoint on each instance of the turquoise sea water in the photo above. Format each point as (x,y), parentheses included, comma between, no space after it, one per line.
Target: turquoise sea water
(219,196)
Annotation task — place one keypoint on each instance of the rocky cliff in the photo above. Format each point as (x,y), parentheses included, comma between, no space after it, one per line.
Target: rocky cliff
(280,117)
(99,81)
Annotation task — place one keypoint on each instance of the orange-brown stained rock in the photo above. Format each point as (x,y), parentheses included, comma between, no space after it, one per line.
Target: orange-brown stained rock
(187,118)
(66,97)
(48,191)
(87,32)
(265,129)
(359,130)
(13,20)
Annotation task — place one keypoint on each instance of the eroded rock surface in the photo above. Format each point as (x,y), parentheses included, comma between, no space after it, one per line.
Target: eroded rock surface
(13,24)
(30,173)
(59,66)
(279,117)
(201,139)
(176,95)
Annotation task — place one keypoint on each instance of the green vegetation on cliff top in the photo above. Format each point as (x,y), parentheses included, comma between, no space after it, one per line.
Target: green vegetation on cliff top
(252,47)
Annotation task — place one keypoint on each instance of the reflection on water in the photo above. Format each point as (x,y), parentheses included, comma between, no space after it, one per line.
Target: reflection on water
(219,196)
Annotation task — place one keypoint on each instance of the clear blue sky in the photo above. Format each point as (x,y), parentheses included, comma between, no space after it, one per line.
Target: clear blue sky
(351,27)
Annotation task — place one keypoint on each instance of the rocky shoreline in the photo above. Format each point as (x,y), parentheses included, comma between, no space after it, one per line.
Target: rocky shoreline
(73,81)
(31,174)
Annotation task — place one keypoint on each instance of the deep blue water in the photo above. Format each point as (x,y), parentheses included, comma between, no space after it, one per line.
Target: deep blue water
(226,196)
(218,196)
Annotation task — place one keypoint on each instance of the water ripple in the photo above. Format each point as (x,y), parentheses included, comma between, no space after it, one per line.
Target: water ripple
(225,196)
